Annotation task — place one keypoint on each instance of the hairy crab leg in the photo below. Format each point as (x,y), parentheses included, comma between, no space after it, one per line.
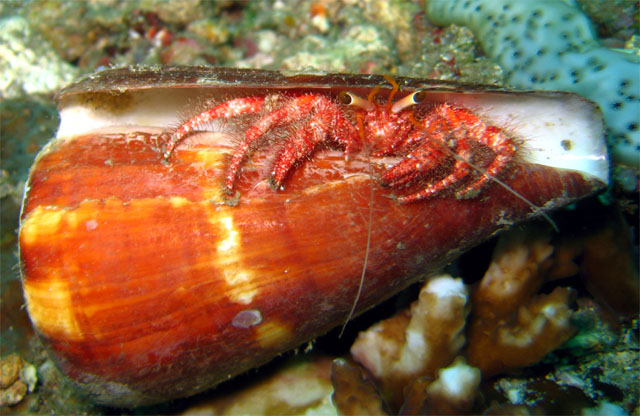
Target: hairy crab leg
(504,148)
(423,150)
(301,145)
(490,136)
(422,159)
(327,116)
(448,126)
(303,141)
(228,109)
(398,140)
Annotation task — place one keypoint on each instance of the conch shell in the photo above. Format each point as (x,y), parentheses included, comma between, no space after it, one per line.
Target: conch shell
(147,282)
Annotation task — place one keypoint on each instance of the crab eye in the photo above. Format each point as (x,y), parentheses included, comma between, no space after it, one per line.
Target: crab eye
(418,96)
(349,98)
(345,97)
(411,99)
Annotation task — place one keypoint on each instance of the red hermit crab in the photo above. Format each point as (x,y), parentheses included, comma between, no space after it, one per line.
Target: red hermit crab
(426,140)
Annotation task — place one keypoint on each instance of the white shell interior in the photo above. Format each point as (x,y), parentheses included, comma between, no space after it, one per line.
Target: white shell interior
(563,131)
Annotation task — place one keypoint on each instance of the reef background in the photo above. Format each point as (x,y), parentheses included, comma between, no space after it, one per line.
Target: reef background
(44,45)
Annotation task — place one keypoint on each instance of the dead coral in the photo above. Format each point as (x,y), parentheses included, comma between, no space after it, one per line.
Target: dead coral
(300,385)
(603,257)
(417,342)
(510,326)
(453,392)
(354,391)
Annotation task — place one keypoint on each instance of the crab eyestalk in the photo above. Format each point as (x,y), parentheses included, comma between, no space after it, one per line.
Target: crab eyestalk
(349,98)
(410,100)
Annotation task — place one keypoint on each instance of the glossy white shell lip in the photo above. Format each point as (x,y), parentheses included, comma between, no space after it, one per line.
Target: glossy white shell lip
(565,132)
(560,130)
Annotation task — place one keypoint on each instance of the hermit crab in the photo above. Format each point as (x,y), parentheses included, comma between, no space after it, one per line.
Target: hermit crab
(188,224)
(315,118)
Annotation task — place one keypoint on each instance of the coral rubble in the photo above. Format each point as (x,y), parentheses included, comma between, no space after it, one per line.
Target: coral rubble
(511,326)
(417,342)
(354,391)
(17,378)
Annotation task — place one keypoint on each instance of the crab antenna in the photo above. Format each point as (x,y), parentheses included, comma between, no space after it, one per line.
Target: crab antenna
(350,98)
(369,232)
(373,93)
(395,89)
(411,99)
(360,126)
(534,207)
